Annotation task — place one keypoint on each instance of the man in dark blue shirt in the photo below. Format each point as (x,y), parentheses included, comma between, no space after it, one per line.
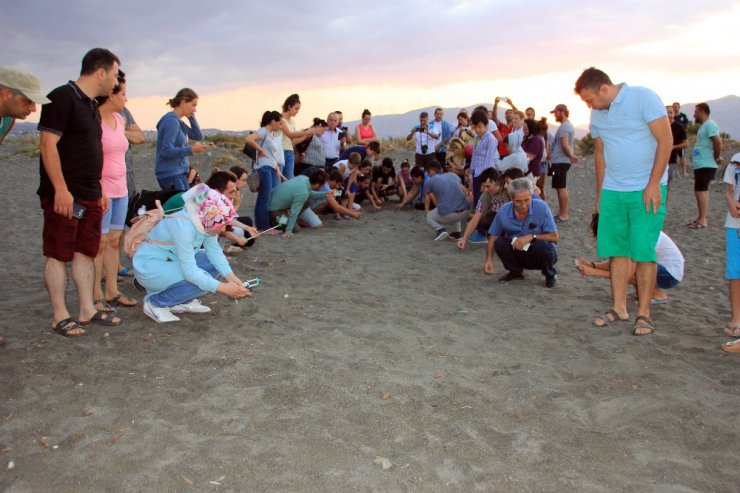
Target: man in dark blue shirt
(524,236)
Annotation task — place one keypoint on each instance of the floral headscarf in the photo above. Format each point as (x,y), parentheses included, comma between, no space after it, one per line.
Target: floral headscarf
(211,208)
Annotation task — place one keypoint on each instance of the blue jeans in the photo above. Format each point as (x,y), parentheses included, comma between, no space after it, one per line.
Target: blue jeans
(268,181)
(476,190)
(184,291)
(180,182)
(289,164)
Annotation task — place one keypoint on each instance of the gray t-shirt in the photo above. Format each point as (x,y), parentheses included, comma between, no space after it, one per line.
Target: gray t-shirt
(446,187)
(267,142)
(556,151)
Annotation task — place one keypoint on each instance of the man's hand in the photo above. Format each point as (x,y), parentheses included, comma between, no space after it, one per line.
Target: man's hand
(63,201)
(461,243)
(573,159)
(287,234)
(651,198)
(399,206)
(488,267)
(520,243)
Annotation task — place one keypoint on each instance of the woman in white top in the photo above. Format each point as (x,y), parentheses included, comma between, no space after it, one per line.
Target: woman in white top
(267,166)
(289,136)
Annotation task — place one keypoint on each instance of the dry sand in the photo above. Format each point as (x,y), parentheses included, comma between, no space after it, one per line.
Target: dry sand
(368,343)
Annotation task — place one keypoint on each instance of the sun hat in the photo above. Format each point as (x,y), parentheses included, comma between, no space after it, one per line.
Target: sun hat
(735,159)
(24,82)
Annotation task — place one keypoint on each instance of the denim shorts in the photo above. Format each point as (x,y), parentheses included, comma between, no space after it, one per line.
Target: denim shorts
(115,218)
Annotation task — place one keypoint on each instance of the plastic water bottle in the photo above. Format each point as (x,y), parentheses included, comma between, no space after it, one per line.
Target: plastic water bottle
(141,211)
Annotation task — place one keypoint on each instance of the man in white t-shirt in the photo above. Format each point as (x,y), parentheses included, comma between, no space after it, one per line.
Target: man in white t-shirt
(426,138)
(732,240)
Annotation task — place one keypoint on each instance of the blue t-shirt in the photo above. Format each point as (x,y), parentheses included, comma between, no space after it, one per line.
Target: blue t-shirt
(361,150)
(703,156)
(446,188)
(538,221)
(629,145)
(557,154)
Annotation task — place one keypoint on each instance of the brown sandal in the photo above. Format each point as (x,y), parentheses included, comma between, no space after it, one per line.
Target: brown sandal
(642,322)
(608,318)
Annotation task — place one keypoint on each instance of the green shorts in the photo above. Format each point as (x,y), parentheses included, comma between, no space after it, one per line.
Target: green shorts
(625,229)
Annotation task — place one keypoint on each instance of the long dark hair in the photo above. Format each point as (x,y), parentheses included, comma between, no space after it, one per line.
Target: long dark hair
(269,117)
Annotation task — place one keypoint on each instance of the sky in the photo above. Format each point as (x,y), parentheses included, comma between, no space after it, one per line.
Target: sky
(243,58)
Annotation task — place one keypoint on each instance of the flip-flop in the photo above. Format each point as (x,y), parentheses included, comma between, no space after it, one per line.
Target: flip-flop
(102,318)
(732,330)
(122,300)
(656,301)
(64,327)
(642,322)
(732,346)
(559,220)
(608,321)
(697,226)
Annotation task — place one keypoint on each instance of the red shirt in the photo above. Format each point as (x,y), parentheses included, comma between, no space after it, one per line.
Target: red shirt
(504,130)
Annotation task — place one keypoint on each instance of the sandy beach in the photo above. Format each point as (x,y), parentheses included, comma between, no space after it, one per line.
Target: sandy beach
(372,359)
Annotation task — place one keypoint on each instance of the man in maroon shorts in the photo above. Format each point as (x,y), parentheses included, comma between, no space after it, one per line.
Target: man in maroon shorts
(71,165)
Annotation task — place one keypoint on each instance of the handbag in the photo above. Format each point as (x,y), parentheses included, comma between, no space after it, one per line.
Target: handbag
(253,180)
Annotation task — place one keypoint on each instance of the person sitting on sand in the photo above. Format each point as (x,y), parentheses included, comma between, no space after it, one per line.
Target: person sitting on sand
(330,202)
(478,225)
(524,236)
(173,268)
(451,199)
(404,183)
(384,180)
(669,273)
(416,191)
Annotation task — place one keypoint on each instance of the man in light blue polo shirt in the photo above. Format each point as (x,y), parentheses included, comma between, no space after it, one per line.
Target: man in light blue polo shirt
(524,236)
(632,144)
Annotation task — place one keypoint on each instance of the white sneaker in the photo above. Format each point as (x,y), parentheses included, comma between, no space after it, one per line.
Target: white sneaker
(356,207)
(159,314)
(194,306)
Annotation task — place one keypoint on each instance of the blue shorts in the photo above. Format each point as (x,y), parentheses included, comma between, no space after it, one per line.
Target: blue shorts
(115,218)
(664,279)
(732,271)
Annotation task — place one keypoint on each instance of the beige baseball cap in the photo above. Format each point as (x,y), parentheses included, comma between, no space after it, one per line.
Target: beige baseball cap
(24,82)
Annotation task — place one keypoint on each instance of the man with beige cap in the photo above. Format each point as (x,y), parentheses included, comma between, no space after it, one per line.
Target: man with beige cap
(20,92)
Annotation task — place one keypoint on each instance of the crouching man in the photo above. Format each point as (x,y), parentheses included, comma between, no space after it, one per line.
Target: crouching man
(524,236)
(174,269)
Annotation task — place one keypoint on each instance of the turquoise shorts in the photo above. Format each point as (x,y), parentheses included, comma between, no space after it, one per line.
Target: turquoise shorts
(732,240)
(625,229)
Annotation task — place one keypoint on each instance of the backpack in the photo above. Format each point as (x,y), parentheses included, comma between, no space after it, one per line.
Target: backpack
(147,198)
(140,227)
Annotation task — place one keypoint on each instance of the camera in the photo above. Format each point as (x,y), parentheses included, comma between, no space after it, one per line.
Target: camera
(424,148)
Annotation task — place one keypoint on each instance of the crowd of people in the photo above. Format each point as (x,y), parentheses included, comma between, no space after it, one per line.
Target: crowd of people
(482,180)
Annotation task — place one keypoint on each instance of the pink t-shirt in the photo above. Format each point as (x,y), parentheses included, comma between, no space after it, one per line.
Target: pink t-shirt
(115,146)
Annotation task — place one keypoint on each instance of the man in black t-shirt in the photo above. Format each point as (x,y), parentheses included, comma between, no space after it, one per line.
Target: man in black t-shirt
(72,199)
(680,142)
(682,120)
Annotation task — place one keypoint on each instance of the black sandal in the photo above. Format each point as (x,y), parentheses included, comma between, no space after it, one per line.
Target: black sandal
(66,326)
(102,318)
(115,302)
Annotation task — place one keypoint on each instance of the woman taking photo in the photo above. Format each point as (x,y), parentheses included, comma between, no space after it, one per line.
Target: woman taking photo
(173,135)
(365,132)
(289,136)
(115,144)
(267,166)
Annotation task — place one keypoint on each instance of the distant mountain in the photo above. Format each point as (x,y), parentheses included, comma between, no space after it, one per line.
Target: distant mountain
(725,111)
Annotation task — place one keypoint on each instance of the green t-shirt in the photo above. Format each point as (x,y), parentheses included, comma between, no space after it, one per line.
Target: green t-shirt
(703,156)
(6,123)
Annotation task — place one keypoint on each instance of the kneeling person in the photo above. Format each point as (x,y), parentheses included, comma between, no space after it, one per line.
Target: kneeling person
(292,197)
(174,269)
(524,236)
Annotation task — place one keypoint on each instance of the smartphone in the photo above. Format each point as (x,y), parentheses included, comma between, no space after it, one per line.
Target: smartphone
(78,211)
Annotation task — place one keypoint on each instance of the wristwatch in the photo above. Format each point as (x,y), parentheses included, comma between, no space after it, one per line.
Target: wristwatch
(534,237)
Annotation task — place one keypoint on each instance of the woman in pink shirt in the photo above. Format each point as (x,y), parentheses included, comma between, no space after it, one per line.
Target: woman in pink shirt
(365,132)
(115,145)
